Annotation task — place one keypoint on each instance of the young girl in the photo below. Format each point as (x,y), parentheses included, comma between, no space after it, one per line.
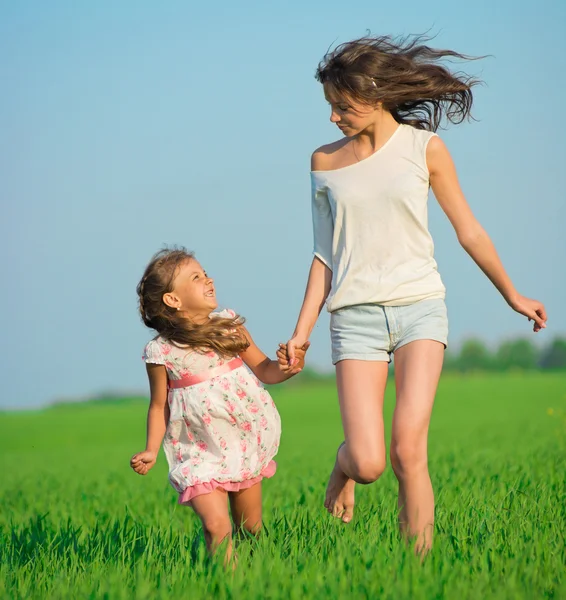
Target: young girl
(220,428)
(373,258)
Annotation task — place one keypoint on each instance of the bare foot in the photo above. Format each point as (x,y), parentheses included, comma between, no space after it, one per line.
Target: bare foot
(339,500)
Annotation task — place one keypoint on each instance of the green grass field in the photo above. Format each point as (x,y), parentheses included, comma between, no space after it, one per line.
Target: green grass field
(77,523)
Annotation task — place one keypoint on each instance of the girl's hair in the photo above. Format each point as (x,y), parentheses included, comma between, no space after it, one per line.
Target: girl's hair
(404,74)
(224,336)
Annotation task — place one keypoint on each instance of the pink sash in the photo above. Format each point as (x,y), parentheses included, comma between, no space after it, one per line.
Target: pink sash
(210,374)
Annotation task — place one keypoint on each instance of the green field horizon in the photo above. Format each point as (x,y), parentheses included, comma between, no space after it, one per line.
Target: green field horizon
(76,522)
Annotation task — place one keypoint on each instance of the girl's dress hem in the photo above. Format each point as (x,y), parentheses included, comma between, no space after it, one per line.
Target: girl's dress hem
(208,487)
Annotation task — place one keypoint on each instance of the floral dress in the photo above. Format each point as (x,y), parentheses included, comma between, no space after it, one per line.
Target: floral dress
(224,430)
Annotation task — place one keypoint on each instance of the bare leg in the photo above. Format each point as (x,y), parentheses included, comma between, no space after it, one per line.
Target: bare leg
(361,458)
(246,509)
(212,509)
(417,370)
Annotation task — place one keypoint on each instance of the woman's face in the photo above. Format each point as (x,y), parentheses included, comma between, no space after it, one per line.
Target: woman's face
(350,116)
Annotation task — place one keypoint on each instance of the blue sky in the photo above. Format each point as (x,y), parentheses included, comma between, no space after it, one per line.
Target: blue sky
(130,125)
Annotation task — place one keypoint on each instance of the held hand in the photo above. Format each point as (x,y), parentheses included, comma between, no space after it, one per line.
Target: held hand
(283,358)
(142,462)
(532,309)
(293,345)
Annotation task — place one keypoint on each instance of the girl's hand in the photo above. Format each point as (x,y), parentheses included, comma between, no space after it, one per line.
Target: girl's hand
(283,358)
(532,309)
(142,462)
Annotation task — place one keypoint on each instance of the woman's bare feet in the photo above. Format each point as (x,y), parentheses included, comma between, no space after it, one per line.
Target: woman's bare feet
(339,499)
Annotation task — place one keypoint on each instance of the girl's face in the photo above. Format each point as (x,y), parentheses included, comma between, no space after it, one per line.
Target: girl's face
(193,291)
(350,116)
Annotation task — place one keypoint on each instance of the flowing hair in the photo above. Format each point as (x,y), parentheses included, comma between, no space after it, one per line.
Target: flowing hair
(224,336)
(404,74)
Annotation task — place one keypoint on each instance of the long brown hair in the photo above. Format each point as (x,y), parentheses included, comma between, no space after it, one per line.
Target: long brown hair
(404,74)
(224,336)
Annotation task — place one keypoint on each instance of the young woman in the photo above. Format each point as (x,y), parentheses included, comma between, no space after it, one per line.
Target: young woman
(373,258)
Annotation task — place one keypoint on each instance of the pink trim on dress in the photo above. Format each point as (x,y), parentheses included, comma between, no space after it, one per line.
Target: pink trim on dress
(228,486)
(235,363)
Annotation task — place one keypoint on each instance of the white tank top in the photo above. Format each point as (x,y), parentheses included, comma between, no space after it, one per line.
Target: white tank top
(370,223)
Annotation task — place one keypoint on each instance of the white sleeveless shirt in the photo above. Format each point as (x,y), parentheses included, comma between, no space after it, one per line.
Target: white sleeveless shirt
(370,223)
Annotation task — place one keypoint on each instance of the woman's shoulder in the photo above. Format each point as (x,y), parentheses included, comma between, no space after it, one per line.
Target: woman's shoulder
(324,157)
(422,144)
(418,134)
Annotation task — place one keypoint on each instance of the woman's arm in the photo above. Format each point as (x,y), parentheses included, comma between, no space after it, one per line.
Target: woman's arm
(157,419)
(318,288)
(270,371)
(320,274)
(471,235)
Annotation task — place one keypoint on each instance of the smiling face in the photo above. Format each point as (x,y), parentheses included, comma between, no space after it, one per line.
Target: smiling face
(350,116)
(193,291)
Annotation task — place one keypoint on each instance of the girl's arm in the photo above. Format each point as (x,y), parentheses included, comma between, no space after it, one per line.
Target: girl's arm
(318,288)
(471,235)
(270,371)
(157,419)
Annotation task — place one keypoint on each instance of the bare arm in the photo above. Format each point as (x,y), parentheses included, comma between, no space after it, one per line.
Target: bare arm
(316,293)
(320,275)
(266,370)
(471,235)
(157,419)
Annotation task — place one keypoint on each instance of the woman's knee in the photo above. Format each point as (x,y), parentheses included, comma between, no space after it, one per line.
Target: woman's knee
(408,458)
(367,469)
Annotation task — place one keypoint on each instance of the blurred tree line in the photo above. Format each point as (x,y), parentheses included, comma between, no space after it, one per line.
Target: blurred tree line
(475,355)
(514,354)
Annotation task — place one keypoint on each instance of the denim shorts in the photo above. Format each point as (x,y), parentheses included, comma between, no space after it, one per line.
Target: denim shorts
(374,331)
